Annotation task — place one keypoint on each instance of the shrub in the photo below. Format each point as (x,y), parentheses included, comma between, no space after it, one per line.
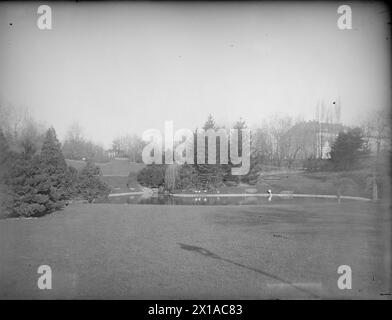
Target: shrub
(90,187)
(152,176)
(211,175)
(187,177)
(31,190)
(37,183)
(348,148)
(317,164)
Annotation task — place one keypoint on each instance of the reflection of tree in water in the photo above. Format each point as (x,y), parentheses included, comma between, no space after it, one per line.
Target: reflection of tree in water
(197,200)
(160,199)
(170,200)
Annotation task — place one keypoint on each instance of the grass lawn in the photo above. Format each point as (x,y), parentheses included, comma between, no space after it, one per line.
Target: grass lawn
(301,183)
(112,168)
(223,252)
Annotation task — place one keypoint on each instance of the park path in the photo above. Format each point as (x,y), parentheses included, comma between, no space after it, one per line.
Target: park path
(292,195)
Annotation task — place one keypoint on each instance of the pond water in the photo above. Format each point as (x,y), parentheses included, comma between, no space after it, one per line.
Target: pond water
(203,200)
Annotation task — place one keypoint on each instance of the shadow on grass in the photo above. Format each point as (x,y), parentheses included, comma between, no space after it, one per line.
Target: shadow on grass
(212,255)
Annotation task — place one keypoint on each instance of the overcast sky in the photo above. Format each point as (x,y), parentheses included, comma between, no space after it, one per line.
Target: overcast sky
(125,67)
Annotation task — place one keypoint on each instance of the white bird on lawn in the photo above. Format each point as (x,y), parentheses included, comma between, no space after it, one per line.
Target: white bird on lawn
(270,194)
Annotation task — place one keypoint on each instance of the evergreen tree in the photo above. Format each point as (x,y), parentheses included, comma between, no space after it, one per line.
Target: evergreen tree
(54,167)
(210,123)
(209,175)
(51,155)
(41,183)
(90,186)
(38,183)
(348,148)
(29,188)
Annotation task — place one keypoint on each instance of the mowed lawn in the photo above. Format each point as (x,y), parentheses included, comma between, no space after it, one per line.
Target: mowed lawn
(276,251)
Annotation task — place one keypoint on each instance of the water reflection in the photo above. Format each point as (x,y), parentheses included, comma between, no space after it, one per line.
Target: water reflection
(200,200)
(171,200)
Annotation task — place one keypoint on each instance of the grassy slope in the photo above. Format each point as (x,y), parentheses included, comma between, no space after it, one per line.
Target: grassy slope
(316,183)
(115,174)
(112,168)
(304,183)
(180,252)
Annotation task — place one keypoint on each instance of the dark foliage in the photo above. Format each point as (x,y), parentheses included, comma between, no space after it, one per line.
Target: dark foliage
(34,184)
(187,177)
(314,164)
(348,148)
(152,176)
(54,168)
(38,183)
(90,187)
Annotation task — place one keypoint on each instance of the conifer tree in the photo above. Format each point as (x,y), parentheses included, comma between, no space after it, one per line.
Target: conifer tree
(209,175)
(210,123)
(54,167)
(39,183)
(348,148)
(90,186)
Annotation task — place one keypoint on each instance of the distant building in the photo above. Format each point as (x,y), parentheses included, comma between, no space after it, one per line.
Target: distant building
(117,155)
(327,126)
(313,139)
(326,134)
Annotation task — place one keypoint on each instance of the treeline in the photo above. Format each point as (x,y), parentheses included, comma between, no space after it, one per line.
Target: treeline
(278,143)
(77,147)
(35,182)
(202,176)
(128,146)
(22,131)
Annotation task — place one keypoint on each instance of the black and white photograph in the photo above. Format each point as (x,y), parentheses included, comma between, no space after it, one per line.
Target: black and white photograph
(195,151)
